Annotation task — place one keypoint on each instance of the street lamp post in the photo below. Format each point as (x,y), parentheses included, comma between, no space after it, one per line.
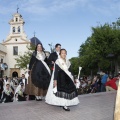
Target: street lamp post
(51,47)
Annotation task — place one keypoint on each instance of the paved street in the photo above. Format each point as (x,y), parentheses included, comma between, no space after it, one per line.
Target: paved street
(98,106)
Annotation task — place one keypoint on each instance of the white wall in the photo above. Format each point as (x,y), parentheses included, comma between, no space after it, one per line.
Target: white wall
(3,52)
(3,48)
(10,58)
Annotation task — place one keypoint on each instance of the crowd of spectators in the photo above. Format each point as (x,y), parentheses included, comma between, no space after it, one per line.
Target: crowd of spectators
(12,89)
(99,83)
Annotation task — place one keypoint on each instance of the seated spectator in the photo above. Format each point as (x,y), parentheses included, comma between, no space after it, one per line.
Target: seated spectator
(93,86)
(98,83)
(7,95)
(89,88)
(84,84)
(19,93)
(111,84)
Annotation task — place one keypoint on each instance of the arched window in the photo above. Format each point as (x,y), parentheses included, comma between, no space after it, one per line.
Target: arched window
(19,29)
(15,50)
(16,19)
(13,29)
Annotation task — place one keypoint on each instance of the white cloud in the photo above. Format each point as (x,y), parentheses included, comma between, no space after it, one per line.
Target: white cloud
(48,7)
(105,7)
(42,7)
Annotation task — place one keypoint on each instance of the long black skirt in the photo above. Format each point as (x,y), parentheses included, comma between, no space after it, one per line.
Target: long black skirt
(40,76)
(65,86)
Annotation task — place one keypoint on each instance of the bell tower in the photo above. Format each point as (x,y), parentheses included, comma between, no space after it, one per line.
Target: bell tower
(16,28)
(16,25)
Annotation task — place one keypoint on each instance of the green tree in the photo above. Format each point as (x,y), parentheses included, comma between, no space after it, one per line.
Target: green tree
(105,40)
(74,65)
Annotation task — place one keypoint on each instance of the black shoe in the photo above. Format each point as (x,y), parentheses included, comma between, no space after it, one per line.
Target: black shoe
(40,99)
(66,109)
(37,99)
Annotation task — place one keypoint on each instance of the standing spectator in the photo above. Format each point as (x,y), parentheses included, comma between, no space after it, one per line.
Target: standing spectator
(23,80)
(1,87)
(103,81)
(4,81)
(11,83)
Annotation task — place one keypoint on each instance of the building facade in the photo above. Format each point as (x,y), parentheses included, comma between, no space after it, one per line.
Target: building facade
(14,45)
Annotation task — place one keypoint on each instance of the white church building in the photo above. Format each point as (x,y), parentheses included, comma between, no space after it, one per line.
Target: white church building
(14,45)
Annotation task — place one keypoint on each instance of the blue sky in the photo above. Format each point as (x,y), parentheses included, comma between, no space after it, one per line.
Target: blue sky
(67,22)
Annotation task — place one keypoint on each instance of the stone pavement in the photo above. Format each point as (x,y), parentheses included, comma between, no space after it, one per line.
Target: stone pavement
(98,106)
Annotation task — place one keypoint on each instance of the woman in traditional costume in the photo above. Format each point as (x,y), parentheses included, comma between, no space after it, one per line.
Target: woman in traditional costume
(62,90)
(19,93)
(8,94)
(39,78)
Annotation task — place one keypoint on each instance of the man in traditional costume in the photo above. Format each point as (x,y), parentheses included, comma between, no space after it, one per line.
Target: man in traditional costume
(54,56)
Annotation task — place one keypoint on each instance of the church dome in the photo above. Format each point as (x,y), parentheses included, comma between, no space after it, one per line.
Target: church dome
(35,41)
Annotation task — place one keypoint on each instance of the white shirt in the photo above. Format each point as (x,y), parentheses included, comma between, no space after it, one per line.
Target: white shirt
(23,81)
(4,83)
(58,54)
